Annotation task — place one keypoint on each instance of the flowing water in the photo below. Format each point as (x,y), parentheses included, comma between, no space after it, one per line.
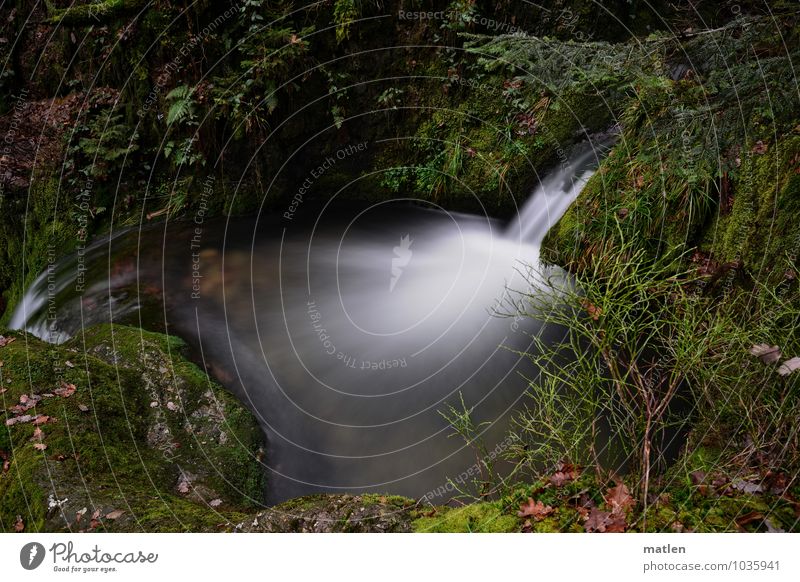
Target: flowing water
(346,331)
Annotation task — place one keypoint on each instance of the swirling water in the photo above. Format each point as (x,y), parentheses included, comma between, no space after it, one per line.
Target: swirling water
(346,331)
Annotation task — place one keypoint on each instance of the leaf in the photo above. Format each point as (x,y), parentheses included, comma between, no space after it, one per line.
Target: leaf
(83,408)
(747,486)
(215,502)
(116,514)
(19,419)
(4,341)
(65,390)
(19,525)
(39,446)
(619,498)
(42,419)
(566,472)
(605,522)
(789,366)
(768,354)
(183,487)
(593,311)
(743,520)
(535,509)
(760,147)
(697,477)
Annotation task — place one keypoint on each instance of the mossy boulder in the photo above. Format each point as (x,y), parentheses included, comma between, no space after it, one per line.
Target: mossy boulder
(337,513)
(119,425)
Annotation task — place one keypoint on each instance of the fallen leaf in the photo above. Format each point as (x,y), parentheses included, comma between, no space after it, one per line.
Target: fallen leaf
(4,341)
(535,509)
(69,364)
(19,525)
(743,520)
(215,502)
(768,354)
(789,366)
(183,487)
(83,408)
(19,419)
(42,419)
(760,147)
(65,390)
(619,498)
(697,477)
(747,486)
(96,514)
(172,406)
(597,521)
(39,446)
(79,514)
(593,311)
(38,433)
(116,514)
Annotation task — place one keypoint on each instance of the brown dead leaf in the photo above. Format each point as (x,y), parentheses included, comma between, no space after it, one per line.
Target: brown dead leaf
(116,514)
(743,520)
(65,390)
(597,521)
(39,446)
(183,487)
(42,419)
(593,311)
(619,498)
(38,433)
(789,366)
(697,477)
(83,408)
(4,341)
(767,353)
(760,147)
(535,509)
(19,525)
(19,419)
(215,502)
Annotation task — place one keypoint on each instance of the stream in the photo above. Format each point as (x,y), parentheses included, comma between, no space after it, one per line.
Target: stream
(347,330)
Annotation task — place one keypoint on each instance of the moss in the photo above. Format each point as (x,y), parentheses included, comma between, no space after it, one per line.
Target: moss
(92,13)
(126,438)
(487,517)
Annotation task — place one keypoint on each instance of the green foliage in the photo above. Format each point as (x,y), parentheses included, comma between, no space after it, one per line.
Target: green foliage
(344,13)
(100,146)
(182,105)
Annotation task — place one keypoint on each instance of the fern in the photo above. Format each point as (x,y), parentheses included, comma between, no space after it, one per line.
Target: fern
(182,105)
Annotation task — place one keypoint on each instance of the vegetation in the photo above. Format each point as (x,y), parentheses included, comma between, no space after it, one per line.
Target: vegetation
(683,246)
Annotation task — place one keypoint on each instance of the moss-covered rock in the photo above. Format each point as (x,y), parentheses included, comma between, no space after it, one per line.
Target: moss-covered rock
(118,420)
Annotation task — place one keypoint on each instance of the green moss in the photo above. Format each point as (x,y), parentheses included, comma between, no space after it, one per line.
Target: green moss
(94,12)
(476,518)
(115,444)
